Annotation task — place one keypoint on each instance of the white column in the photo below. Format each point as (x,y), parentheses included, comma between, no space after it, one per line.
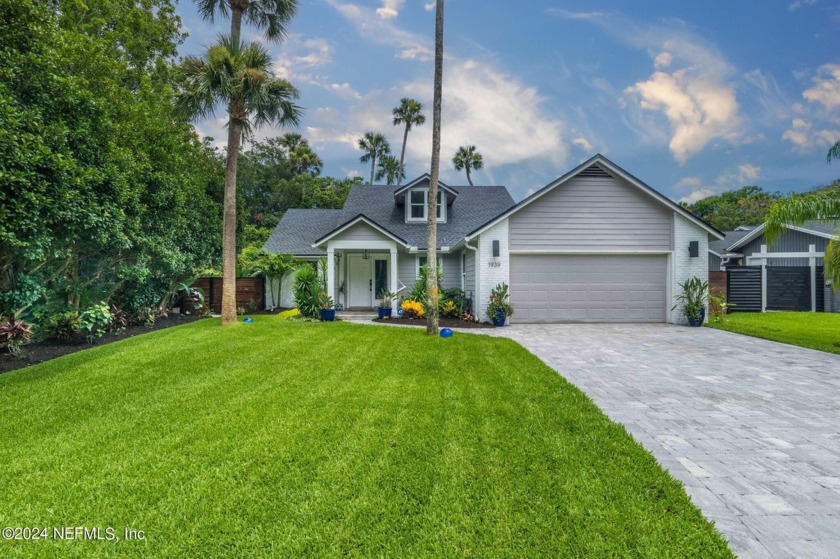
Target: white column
(763,278)
(331,271)
(393,287)
(813,261)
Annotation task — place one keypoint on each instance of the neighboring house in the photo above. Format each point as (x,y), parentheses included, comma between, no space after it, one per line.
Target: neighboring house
(785,275)
(595,245)
(719,256)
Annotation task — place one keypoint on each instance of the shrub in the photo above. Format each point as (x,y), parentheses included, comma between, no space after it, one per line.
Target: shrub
(306,289)
(15,333)
(325,301)
(457,297)
(450,310)
(63,326)
(146,316)
(413,309)
(252,306)
(94,321)
(119,320)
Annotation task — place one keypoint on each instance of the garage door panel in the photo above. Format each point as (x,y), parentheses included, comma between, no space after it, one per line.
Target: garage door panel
(588,288)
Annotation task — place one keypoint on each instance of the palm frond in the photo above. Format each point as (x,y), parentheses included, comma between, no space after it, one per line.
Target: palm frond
(271,16)
(832,264)
(207,9)
(834,152)
(799,209)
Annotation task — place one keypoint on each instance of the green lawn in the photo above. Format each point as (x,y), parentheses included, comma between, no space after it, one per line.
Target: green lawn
(814,330)
(324,440)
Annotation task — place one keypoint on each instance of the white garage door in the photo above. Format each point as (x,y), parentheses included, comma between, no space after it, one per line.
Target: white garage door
(588,288)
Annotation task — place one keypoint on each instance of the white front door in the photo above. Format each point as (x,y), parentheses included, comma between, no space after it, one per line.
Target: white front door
(360,284)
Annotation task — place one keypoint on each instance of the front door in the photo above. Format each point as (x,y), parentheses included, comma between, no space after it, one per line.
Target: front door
(360,286)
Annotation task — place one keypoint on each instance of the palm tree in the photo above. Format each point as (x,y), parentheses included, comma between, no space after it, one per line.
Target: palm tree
(796,210)
(269,15)
(374,145)
(239,77)
(834,152)
(291,141)
(410,113)
(390,170)
(274,267)
(305,161)
(431,278)
(254,98)
(467,158)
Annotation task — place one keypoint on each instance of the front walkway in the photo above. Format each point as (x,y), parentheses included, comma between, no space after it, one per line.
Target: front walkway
(751,427)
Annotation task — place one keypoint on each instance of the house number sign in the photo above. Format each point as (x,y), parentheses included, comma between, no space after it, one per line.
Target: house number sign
(494,264)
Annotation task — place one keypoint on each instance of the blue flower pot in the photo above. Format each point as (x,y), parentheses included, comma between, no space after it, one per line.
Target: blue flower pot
(327,315)
(384,312)
(695,322)
(499,321)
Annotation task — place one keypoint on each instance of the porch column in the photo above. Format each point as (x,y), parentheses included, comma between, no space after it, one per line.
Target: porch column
(763,278)
(813,261)
(393,287)
(331,271)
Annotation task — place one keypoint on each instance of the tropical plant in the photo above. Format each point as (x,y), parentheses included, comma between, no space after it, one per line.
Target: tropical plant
(468,158)
(833,152)
(692,300)
(325,302)
(390,170)
(499,299)
(450,310)
(410,113)
(419,291)
(796,210)
(119,320)
(456,295)
(306,291)
(269,15)
(718,305)
(385,297)
(413,309)
(432,284)
(240,77)
(94,321)
(305,161)
(62,326)
(276,267)
(147,316)
(374,145)
(15,333)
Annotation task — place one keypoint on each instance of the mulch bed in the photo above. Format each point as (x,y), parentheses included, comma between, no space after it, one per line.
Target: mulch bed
(50,349)
(443,322)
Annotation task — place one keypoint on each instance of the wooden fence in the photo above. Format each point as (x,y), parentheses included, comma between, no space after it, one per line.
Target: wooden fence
(247,290)
(717,283)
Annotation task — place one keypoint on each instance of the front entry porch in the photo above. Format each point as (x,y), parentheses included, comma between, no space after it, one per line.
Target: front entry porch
(360,273)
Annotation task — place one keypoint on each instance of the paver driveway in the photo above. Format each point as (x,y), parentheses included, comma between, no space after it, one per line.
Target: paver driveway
(751,427)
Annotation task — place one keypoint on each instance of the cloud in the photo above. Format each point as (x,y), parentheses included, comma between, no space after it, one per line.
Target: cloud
(826,90)
(801,4)
(583,144)
(695,189)
(317,135)
(804,137)
(746,173)
(663,60)
(390,8)
(345,90)
(429,6)
(697,195)
(300,56)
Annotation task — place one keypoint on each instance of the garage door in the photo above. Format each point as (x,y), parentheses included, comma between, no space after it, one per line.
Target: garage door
(588,288)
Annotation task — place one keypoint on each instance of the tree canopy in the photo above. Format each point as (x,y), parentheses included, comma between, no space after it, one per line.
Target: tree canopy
(746,206)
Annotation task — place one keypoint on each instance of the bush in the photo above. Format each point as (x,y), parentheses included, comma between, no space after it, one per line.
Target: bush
(94,321)
(63,326)
(450,310)
(119,320)
(457,297)
(413,309)
(306,290)
(15,333)
(146,316)
(499,300)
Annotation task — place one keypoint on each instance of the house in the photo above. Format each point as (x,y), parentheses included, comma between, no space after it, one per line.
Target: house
(595,245)
(784,275)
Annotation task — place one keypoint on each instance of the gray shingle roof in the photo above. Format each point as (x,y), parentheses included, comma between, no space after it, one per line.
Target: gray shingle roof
(730,238)
(474,206)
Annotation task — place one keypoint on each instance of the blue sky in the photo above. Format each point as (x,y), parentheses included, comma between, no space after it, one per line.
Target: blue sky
(694,98)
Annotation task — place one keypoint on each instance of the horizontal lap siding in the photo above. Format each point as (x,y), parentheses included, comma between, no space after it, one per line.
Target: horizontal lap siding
(470,289)
(407,270)
(592,213)
(789,241)
(451,264)
(361,232)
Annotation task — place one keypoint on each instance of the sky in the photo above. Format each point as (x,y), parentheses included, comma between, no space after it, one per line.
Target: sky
(693,98)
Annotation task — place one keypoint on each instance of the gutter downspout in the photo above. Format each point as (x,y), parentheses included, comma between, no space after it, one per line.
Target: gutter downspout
(477,269)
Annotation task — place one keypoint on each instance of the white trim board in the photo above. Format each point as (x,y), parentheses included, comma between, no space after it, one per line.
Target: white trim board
(351,223)
(758,231)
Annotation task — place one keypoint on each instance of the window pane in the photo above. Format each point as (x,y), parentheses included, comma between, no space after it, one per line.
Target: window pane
(418,197)
(381,276)
(422,260)
(418,212)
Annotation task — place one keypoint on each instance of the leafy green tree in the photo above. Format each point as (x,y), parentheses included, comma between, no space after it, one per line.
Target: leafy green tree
(409,113)
(239,77)
(275,267)
(467,157)
(432,281)
(374,145)
(390,169)
(746,206)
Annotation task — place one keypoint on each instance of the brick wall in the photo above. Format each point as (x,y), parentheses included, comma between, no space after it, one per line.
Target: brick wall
(491,271)
(684,266)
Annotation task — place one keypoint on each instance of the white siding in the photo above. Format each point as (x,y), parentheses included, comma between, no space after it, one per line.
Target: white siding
(490,276)
(684,267)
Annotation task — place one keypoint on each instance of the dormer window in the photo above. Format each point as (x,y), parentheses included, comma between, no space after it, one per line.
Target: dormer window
(418,203)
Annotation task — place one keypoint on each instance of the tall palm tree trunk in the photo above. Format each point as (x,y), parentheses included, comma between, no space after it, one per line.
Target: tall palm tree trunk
(469,180)
(229,231)
(402,156)
(236,20)
(372,166)
(432,277)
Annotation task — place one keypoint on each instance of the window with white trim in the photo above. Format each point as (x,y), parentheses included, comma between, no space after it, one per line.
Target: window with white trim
(421,261)
(418,202)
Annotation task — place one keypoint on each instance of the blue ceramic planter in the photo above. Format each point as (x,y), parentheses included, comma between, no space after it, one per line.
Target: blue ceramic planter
(500,318)
(327,315)
(384,312)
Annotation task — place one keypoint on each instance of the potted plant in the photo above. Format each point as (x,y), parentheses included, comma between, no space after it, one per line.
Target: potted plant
(499,308)
(385,298)
(327,306)
(693,299)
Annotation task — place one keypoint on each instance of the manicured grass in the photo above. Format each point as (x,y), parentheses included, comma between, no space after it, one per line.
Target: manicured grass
(814,330)
(323,440)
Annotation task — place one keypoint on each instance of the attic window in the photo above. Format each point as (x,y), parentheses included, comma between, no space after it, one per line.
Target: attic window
(417,204)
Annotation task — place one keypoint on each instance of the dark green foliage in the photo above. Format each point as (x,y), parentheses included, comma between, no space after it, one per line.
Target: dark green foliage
(745,206)
(14,333)
(62,326)
(307,290)
(105,193)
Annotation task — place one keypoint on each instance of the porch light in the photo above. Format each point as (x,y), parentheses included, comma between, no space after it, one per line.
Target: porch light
(366,255)
(496,251)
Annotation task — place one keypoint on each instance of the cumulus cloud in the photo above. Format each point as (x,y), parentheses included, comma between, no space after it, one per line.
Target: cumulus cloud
(663,60)
(805,137)
(801,4)
(390,8)
(695,189)
(583,144)
(429,6)
(826,90)
(300,57)
(697,195)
